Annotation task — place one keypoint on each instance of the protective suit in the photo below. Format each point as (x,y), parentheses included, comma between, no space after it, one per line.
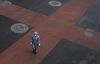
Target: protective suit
(35,42)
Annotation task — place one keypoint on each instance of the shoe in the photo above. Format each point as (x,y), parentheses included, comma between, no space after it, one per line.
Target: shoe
(34,51)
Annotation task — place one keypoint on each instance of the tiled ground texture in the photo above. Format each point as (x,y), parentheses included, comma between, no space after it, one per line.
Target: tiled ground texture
(52,28)
(91,19)
(67,52)
(7,33)
(38,5)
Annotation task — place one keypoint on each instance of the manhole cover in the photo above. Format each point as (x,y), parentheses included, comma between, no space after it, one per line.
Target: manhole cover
(88,34)
(5,3)
(19,28)
(55,3)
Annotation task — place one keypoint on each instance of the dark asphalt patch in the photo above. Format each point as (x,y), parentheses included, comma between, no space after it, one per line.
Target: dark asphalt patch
(7,37)
(67,52)
(40,6)
(91,18)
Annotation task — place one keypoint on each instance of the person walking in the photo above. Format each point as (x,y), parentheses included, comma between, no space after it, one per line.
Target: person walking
(35,42)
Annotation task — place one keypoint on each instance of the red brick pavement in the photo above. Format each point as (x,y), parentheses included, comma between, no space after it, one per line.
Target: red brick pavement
(51,28)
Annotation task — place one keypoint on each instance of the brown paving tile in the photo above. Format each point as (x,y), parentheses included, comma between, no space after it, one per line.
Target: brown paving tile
(52,29)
